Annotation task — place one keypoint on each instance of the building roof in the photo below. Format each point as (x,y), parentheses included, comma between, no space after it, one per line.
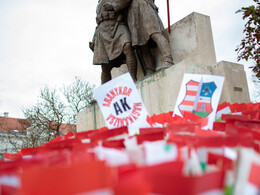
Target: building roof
(66,128)
(16,125)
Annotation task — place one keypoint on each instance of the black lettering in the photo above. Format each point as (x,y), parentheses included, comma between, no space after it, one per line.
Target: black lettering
(124,104)
(117,108)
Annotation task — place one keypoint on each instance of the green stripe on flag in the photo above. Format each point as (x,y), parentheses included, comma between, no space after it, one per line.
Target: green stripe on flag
(202,114)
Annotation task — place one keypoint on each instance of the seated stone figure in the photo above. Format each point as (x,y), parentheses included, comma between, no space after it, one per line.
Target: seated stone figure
(111,43)
(146,27)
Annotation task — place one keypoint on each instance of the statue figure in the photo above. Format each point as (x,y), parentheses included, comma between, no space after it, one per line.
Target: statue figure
(111,43)
(146,27)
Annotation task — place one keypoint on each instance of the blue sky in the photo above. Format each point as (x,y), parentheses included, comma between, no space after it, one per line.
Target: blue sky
(46,42)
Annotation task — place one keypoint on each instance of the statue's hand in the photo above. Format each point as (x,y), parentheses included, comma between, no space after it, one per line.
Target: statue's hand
(91,46)
(108,6)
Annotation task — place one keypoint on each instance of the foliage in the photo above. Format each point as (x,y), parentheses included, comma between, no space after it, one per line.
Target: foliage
(249,47)
(54,112)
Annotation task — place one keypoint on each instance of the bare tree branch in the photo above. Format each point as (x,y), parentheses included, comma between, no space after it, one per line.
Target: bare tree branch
(55,111)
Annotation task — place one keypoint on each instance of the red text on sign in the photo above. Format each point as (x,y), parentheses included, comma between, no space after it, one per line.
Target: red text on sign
(120,122)
(115,92)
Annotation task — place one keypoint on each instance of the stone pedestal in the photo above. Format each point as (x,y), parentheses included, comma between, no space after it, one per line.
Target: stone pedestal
(193,51)
(191,38)
(235,86)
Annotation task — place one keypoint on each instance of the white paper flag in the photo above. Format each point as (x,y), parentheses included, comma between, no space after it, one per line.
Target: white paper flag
(199,94)
(159,152)
(121,104)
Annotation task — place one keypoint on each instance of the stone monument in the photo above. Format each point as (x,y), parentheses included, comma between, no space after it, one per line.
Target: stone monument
(192,48)
(111,43)
(125,26)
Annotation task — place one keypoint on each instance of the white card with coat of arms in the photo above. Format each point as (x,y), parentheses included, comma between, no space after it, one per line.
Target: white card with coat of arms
(200,95)
(121,103)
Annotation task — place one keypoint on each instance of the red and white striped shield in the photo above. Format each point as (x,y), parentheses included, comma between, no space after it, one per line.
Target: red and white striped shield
(188,102)
(198,98)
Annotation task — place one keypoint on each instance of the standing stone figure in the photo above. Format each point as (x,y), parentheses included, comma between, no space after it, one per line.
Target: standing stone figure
(111,43)
(146,27)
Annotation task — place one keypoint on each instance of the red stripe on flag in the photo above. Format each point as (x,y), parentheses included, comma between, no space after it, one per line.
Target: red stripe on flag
(150,137)
(254,175)
(191,93)
(194,83)
(208,107)
(74,179)
(187,103)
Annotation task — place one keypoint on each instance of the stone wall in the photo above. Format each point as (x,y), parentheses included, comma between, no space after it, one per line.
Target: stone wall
(160,91)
